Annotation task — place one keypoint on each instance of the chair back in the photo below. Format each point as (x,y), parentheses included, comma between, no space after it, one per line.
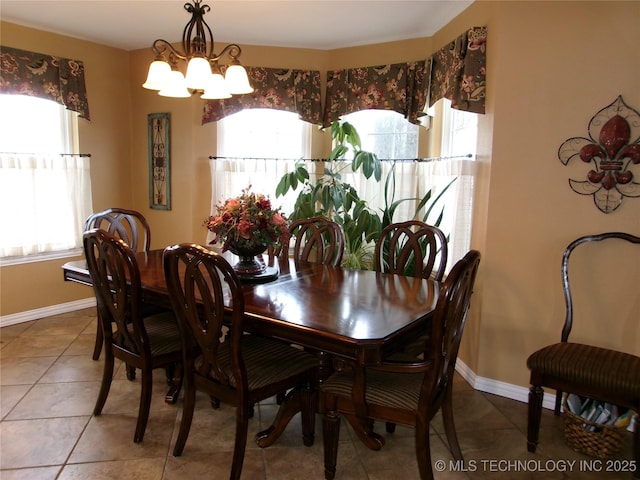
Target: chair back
(116,283)
(129,225)
(566,286)
(317,240)
(411,248)
(200,283)
(448,324)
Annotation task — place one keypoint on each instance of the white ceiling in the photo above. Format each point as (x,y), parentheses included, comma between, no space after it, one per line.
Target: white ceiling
(316,24)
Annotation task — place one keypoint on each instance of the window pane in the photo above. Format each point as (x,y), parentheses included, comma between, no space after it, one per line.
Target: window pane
(385,133)
(33,125)
(251,138)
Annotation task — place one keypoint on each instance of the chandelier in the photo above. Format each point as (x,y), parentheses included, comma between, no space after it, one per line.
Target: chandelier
(203,71)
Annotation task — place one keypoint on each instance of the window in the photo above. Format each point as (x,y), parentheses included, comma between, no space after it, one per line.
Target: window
(44,196)
(460,131)
(386,133)
(247,140)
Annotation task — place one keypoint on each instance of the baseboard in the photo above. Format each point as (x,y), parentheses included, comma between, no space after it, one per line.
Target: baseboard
(13,319)
(502,389)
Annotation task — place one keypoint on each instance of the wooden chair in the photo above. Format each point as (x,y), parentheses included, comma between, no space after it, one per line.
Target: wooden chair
(405,393)
(141,342)
(591,371)
(415,249)
(242,369)
(130,226)
(316,240)
(411,248)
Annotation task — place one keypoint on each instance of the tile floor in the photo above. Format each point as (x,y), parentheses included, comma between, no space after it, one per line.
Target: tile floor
(49,384)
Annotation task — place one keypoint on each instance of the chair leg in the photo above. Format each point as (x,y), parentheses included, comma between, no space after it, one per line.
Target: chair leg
(535,411)
(145,404)
(107,377)
(188,406)
(97,347)
(242,427)
(556,410)
(174,379)
(449,425)
(330,435)
(423,452)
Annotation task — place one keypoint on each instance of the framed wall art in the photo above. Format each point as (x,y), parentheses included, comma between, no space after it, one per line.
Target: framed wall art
(159,161)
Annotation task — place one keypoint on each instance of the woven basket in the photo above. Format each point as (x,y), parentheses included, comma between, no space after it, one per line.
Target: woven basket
(603,442)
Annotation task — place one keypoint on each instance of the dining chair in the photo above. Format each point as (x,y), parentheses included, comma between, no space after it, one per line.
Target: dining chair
(411,248)
(317,240)
(415,249)
(588,370)
(144,342)
(234,367)
(404,393)
(132,227)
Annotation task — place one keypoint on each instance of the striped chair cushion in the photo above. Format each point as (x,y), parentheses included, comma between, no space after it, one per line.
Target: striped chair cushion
(605,369)
(163,333)
(395,390)
(268,361)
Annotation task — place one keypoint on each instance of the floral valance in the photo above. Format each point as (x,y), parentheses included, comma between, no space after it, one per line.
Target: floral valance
(290,90)
(458,72)
(45,76)
(401,87)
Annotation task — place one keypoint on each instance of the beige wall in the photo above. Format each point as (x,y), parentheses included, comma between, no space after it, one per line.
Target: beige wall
(551,66)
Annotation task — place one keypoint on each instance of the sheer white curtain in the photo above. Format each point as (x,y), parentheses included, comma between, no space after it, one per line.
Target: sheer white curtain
(44,201)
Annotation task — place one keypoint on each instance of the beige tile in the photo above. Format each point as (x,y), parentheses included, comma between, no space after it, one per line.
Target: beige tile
(64,324)
(42,442)
(52,400)
(10,395)
(38,346)
(109,437)
(215,464)
(82,345)
(40,473)
(73,368)
(213,429)
(143,469)
(23,371)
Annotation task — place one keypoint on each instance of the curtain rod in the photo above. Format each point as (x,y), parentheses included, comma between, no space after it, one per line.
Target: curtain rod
(423,159)
(41,153)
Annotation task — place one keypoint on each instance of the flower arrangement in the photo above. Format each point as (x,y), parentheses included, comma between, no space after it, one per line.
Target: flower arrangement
(247,222)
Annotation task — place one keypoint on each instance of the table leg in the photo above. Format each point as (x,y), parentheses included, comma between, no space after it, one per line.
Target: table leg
(290,406)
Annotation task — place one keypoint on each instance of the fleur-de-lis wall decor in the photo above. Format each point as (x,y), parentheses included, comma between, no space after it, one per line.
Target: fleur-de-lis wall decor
(613,152)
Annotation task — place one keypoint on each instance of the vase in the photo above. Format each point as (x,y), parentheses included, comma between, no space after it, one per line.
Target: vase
(248,264)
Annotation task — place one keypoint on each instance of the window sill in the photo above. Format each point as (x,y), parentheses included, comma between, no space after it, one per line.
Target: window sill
(40,257)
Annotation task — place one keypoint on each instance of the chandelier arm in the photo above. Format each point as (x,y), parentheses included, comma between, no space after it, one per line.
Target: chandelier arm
(233,50)
(160,46)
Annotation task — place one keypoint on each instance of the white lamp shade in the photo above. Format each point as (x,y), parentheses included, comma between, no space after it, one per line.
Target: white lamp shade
(237,80)
(198,73)
(216,88)
(158,76)
(177,86)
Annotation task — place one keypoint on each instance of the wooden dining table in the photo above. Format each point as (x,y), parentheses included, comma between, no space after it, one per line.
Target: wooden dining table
(349,315)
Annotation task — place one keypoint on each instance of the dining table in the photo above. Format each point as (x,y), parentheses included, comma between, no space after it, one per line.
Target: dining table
(347,316)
